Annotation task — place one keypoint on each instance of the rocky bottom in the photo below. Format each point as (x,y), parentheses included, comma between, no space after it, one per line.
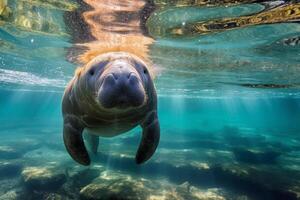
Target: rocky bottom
(36,168)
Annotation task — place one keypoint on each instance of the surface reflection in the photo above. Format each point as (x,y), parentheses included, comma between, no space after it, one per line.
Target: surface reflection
(34,15)
(285,13)
(196,46)
(112,26)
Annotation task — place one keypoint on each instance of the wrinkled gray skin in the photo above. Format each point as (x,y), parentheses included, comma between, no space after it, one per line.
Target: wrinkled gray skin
(109,96)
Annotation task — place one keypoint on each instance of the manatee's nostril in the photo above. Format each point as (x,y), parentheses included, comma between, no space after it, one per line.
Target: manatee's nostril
(110,79)
(132,78)
(116,76)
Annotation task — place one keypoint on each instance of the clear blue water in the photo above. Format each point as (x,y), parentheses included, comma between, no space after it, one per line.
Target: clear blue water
(228,104)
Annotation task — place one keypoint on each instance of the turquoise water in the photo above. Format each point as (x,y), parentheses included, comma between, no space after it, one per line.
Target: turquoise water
(228,104)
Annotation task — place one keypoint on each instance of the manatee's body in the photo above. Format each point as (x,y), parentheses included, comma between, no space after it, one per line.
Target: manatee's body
(109,96)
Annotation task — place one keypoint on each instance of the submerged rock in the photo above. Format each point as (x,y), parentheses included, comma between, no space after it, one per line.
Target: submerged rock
(256,157)
(82,176)
(16,149)
(78,177)
(187,191)
(116,185)
(8,187)
(46,156)
(9,168)
(42,178)
(115,189)
(11,195)
(54,196)
(16,193)
(7,152)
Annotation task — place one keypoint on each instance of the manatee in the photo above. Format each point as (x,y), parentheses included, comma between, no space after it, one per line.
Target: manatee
(110,95)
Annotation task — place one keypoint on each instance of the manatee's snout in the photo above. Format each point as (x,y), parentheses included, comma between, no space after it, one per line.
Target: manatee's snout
(121,87)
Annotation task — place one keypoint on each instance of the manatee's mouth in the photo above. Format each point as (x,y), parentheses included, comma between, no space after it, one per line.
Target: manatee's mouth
(122,89)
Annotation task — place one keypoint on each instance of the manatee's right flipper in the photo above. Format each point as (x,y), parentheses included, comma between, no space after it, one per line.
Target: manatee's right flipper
(93,141)
(74,142)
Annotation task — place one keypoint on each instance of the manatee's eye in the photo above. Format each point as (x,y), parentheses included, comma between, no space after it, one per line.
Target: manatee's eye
(140,67)
(98,67)
(92,72)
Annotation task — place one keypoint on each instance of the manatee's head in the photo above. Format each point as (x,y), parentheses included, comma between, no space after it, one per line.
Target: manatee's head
(118,81)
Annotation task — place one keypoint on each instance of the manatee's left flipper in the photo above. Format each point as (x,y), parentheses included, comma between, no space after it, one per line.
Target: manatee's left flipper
(150,138)
(72,133)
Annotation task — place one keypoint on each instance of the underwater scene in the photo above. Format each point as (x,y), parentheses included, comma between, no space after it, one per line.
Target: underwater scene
(227,80)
